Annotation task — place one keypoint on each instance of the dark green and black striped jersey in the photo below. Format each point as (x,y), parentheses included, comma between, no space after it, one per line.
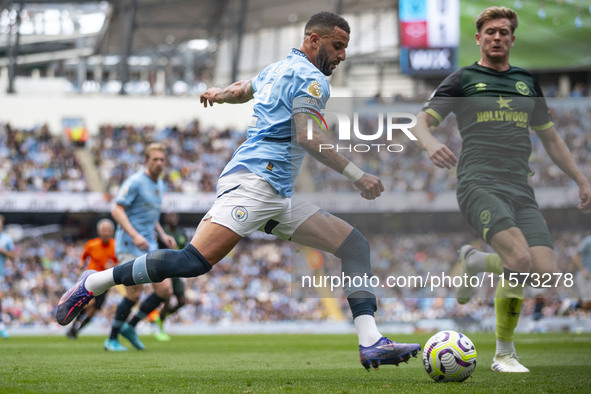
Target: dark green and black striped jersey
(494,111)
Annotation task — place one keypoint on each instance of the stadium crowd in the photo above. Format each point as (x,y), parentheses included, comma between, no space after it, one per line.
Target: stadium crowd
(36,160)
(258,282)
(196,155)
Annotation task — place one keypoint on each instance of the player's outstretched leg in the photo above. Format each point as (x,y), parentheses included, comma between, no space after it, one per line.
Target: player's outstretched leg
(74,300)
(386,351)
(153,267)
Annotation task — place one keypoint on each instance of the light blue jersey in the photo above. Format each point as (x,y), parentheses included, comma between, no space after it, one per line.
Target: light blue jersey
(142,199)
(6,243)
(584,251)
(281,90)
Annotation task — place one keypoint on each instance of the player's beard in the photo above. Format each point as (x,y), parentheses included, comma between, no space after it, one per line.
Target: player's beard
(323,62)
(155,172)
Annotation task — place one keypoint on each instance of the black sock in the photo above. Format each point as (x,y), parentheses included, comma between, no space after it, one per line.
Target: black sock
(354,253)
(150,303)
(362,303)
(121,315)
(161,264)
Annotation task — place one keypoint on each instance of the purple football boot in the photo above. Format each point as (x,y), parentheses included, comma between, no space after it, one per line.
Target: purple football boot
(385,351)
(74,300)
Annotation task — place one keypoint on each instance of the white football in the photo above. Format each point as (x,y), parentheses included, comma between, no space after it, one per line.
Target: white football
(449,356)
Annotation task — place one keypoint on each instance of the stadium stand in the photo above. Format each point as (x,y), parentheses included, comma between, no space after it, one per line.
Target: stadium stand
(37,160)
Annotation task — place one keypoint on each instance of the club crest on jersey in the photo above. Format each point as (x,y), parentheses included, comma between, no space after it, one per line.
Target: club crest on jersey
(522,88)
(314,89)
(485,216)
(240,214)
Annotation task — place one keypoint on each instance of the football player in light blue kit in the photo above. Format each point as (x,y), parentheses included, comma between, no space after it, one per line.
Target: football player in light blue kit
(6,251)
(137,211)
(255,189)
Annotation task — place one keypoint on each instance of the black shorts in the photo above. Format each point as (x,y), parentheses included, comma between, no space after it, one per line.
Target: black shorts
(492,205)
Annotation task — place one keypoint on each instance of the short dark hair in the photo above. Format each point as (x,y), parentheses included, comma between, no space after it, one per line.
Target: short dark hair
(324,23)
(493,13)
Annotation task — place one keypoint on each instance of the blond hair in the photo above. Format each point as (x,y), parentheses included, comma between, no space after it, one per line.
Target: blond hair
(152,147)
(493,13)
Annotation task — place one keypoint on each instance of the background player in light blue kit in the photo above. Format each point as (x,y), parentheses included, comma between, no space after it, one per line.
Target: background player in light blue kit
(137,211)
(255,189)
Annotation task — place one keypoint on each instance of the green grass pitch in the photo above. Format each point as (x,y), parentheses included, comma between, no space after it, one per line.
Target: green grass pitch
(541,44)
(275,363)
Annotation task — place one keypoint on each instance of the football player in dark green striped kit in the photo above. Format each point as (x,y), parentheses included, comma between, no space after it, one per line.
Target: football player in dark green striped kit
(496,105)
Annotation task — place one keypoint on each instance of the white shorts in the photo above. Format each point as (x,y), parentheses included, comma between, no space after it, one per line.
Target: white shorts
(124,257)
(246,203)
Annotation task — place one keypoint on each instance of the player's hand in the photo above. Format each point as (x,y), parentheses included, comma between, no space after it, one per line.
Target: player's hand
(209,96)
(585,196)
(586,274)
(141,242)
(441,155)
(170,242)
(371,186)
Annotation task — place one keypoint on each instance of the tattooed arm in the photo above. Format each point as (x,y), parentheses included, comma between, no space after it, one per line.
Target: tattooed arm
(329,157)
(238,92)
(370,186)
